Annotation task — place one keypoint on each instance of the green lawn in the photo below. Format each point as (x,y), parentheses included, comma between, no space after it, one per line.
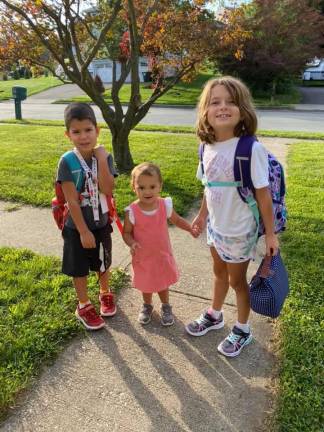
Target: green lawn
(188,94)
(33,85)
(176,129)
(301,326)
(36,315)
(27,170)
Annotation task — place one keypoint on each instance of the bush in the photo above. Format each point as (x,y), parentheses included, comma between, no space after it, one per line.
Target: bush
(16,75)
(5,77)
(99,84)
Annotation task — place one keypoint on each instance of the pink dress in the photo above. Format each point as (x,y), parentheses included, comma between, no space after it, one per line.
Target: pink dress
(154,267)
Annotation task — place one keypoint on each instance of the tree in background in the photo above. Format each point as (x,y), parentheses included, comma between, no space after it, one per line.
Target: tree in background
(267,42)
(173,33)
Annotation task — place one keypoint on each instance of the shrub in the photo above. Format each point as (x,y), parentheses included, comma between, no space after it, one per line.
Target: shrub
(99,84)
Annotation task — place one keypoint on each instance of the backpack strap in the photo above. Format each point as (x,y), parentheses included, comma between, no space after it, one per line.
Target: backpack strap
(75,167)
(242,163)
(204,180)
(201,157)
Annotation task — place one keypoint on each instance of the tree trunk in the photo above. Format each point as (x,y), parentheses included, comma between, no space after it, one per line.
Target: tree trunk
(122,154)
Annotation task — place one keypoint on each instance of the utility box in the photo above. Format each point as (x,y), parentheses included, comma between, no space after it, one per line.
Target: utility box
(19,93)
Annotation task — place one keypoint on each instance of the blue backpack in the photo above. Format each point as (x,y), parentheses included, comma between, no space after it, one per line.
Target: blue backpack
(244,185)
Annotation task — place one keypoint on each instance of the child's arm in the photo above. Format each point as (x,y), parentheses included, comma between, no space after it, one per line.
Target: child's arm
(199,223)
(105,178)
(264,201)
(72,198)
(128,234)
(178,221)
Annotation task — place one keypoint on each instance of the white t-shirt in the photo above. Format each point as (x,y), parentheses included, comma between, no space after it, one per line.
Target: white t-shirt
(228,214)
(168,206)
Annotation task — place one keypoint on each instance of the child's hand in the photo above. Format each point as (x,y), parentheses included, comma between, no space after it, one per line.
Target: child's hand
(272,244)
(88,240)
(134,246)
(198,225)
(194,232)
(100,152)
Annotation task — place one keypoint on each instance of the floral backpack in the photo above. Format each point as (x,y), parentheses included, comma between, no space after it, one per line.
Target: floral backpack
(244,185)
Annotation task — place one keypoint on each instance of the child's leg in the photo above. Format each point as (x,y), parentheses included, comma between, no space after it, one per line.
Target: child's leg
(237,278)
(240,336)
(167,318)
(81,288)
(147,298)
(146,311)
(221,283)
(104,281)
(212,319)
(164,296)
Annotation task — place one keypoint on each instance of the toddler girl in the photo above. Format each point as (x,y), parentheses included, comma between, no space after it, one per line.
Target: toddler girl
(146,233)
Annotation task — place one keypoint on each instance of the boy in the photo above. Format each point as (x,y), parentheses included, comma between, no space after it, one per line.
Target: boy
(87,230)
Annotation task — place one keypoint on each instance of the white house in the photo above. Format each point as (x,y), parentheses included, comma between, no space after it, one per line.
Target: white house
(314,71)
(103,68)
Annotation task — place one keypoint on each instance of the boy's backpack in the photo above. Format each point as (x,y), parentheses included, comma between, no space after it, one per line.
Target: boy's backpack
(59,205)
(244,185)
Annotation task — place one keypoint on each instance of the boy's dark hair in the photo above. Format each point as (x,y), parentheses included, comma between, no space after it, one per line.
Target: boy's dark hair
(79,111)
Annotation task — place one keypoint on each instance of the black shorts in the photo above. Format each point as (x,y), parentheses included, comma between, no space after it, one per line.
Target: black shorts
(77,261)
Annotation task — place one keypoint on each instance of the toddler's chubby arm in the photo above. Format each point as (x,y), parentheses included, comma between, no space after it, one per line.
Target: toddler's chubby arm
(72,198)
(105,178)
(128,234)
(178,221)
(264,201)
(199,223)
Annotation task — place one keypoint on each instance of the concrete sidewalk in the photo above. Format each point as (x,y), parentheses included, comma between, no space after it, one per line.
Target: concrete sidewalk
(139,379)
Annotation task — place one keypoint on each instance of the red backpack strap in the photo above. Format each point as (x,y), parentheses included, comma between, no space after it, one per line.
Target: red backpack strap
(113,212)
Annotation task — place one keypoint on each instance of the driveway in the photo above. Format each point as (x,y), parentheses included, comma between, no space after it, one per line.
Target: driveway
(312,95)
(64,91)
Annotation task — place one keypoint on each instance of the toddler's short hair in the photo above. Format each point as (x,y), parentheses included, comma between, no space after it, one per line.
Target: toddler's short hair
(79,111)
(241,97)
(145,168)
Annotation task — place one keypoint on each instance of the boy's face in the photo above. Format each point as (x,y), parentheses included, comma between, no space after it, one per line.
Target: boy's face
(83,134)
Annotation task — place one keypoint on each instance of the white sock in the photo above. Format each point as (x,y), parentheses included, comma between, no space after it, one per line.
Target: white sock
(243,327)
(82,305)
(214,313)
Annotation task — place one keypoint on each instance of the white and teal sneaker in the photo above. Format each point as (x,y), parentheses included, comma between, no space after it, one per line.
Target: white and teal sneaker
(234,343)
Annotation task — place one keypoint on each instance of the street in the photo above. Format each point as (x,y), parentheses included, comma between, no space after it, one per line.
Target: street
(311,121)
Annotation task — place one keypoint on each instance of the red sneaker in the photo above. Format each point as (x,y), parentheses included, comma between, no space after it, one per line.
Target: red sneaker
(89,317)
(107,304)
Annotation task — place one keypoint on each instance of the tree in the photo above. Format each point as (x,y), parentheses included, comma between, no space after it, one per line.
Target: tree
(276,39)
(173,33)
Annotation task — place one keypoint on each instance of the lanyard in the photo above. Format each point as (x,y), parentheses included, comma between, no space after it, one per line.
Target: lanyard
(91,183)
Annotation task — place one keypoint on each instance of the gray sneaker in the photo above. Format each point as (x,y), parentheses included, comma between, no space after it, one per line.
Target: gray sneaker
(145,314)
(166,315)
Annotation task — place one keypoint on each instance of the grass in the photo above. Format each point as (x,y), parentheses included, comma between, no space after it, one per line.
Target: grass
(301,396)
(27,171)
(176,129)
(187,94)
(33,85)
(181,94)
(36,316)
